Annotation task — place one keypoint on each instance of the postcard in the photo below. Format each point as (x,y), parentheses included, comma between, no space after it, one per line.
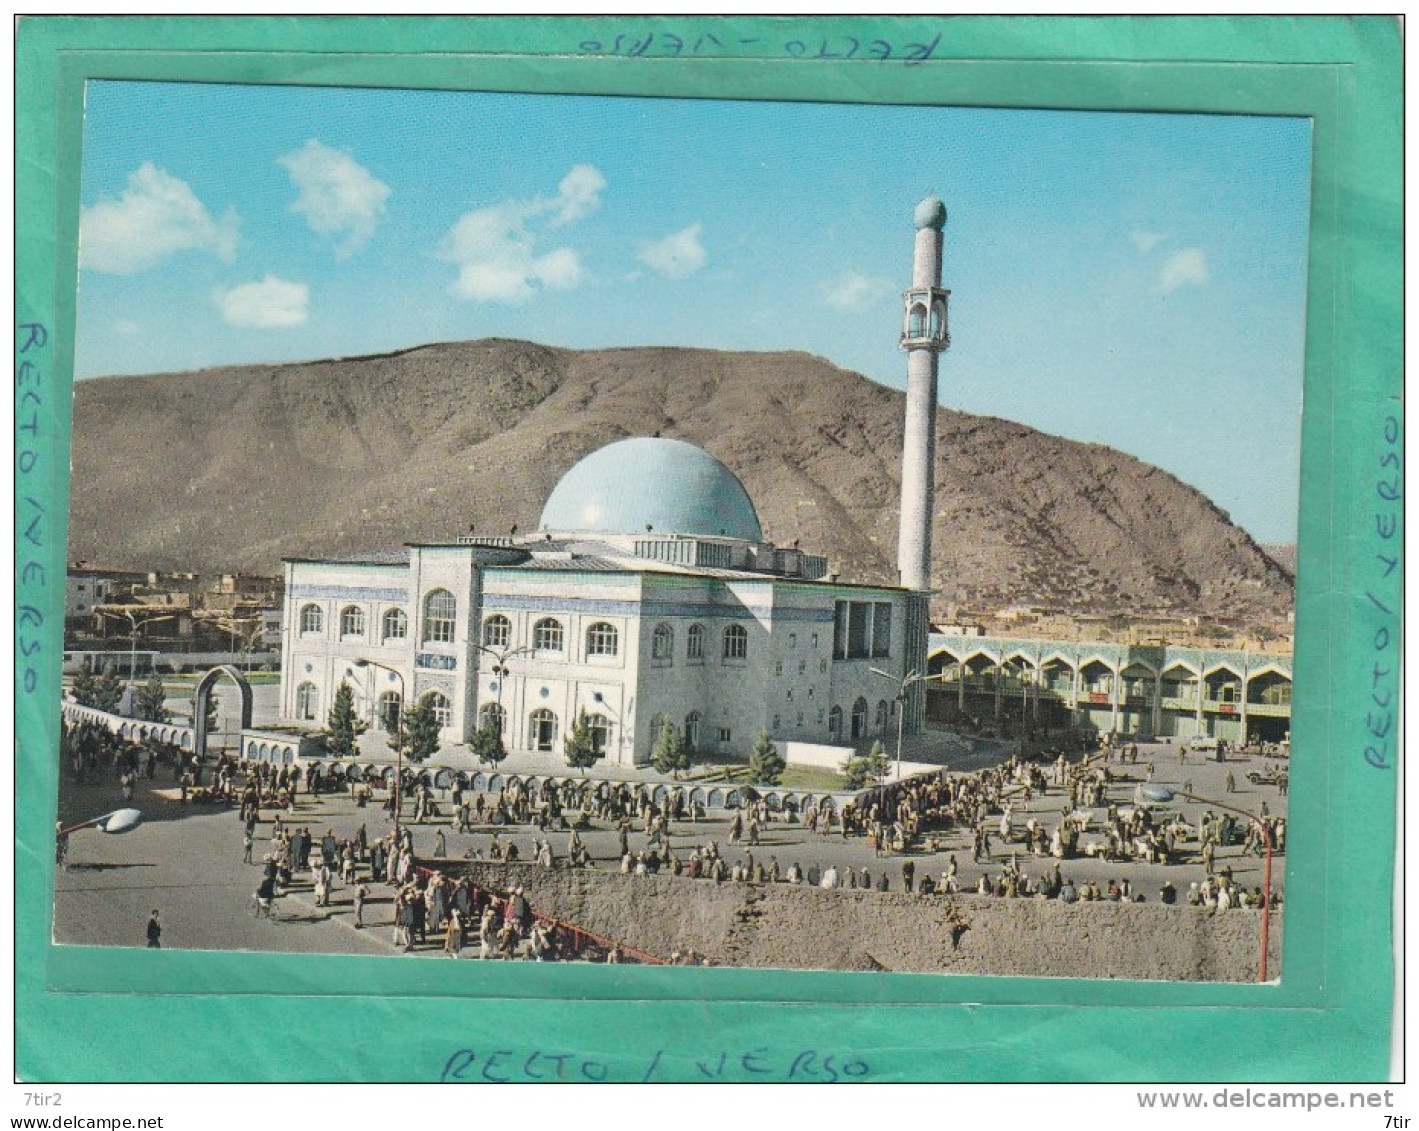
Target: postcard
(660,541)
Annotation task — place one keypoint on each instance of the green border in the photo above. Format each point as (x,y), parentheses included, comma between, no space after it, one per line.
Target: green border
(1328,1020)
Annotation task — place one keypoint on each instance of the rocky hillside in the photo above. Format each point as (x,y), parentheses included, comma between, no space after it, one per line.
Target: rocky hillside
(234,468)
(1283,554)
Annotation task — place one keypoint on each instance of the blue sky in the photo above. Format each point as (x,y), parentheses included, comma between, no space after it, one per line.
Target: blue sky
(1128,279)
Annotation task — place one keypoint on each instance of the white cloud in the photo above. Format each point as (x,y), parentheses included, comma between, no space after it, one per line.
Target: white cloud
(265,305)
(1186,268)
(1146,241)
(497,248)
(578,195)
(339,196)
(127,327)
(855,291)
(677,256)
(156,216)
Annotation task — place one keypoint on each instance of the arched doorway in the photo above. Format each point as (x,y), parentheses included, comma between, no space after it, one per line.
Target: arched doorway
(204,693)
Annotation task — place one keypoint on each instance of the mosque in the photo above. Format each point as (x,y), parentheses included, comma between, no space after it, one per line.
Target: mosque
(648,594)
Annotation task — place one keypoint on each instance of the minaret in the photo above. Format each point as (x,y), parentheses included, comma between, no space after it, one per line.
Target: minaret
(924,336)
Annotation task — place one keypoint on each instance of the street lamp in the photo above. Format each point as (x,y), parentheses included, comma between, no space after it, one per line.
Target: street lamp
(907,680)
(133,638)
(1163,793)
(119,821)
(500,668)
(243,630)
(399,739)
(600,700)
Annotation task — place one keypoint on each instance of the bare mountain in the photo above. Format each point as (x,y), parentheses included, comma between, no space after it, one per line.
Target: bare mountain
(235,468)
(1283,554)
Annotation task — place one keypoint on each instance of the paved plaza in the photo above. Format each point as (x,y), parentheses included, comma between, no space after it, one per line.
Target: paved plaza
(186,859)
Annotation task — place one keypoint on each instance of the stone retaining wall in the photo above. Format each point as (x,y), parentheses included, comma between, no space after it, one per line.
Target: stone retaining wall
(796,927)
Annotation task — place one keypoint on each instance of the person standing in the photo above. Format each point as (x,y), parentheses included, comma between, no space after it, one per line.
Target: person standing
(155,931)
(453,940)
(487,931)
(247,842)
(362,893)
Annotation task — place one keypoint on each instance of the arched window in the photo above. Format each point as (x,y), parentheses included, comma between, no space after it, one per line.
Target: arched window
(692,730)
(859,718)
(396,625)
(600,729)
(736,642)
(662,644)
(602,639)
(442,708)
(695,643)
(312,620)
(307,702)
(389,708)
(497,631)
(542,730)
(881,716)
(492,715)
(938,315)
(835,722)
(440,616)
(352,621)
(547,635)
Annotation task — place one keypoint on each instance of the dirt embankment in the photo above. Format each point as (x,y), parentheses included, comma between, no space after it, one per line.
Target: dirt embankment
(794,927)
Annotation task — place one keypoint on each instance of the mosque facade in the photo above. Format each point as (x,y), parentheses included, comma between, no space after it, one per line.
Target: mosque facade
(647,595)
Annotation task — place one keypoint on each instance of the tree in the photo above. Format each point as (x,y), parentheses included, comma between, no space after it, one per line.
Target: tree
(422,727)
(487,743)
(344,726)
(212,704)
(150,700)
(393,733)
(108,690)
(766,764)
(867,769)
(671,755)
(580,749)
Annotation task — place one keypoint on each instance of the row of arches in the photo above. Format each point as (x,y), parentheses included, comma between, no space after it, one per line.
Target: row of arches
(858,720)
(439,622)
(1221,682)
(277,753)
(603,639)
(132,730)
(308,706)
(550,635)
(493,781)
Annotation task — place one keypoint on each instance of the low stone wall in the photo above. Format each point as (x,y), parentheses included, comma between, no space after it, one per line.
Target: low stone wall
(795,927)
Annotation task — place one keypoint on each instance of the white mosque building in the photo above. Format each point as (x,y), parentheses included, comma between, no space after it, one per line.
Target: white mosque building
(648,594)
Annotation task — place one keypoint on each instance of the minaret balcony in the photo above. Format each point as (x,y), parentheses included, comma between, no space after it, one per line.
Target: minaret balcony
(939,341)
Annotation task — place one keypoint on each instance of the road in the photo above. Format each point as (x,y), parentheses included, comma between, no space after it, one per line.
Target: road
(186,860)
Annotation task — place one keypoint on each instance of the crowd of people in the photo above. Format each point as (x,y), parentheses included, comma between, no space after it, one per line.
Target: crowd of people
(1017,849)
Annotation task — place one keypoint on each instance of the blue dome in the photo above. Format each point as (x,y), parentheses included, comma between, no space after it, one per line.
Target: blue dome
(669,485)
